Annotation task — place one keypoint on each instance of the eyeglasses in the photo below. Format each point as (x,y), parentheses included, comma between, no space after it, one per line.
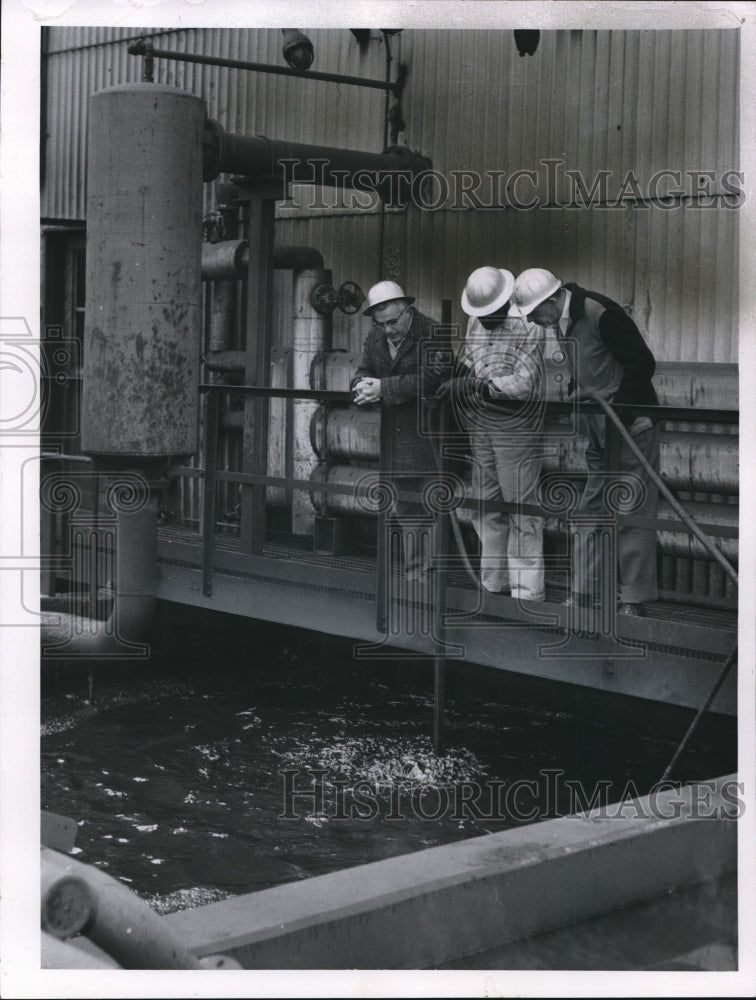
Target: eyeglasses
(386,324)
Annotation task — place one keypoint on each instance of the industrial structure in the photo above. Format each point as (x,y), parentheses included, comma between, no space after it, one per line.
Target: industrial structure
(212,213)
(201,348)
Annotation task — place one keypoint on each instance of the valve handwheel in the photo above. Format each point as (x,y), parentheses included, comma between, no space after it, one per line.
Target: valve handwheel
(350,297)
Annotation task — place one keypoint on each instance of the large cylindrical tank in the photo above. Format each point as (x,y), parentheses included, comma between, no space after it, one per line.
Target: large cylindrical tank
(333,370)
(348,433)
(143,317)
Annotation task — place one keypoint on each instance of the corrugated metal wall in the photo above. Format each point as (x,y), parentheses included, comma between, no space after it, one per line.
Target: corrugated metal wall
(616,101)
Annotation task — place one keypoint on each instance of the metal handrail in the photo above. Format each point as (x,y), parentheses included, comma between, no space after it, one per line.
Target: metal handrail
(212,475)
(675,413)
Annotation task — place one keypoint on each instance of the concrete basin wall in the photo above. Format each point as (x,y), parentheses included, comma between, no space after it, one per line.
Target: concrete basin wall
(420,910)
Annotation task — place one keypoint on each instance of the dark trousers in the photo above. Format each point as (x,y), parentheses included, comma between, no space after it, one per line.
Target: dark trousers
(626,489)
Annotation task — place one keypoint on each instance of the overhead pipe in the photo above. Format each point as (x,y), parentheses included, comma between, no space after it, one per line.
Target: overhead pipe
(229,259)
(390,173)
(144,47)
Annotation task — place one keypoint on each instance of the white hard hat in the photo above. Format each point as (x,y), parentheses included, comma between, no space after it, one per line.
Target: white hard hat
(532,288)
(486,290)
(385,291)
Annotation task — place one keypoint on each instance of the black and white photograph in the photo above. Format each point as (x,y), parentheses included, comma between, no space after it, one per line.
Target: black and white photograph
(376,614)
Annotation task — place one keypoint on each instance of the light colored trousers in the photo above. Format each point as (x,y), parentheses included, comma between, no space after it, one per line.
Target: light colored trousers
(511,544)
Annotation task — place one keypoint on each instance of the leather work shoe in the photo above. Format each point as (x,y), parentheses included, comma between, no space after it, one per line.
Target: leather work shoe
(636,610)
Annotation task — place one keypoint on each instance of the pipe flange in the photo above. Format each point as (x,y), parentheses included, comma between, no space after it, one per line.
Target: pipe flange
(212,150)
(324,299)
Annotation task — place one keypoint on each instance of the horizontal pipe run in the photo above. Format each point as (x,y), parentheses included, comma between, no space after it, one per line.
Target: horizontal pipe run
(143,47)
(707,463)
(261,158)
(228,362)
(229,260)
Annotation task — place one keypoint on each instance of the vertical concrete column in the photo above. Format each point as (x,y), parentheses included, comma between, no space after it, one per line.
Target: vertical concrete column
(143,321)
(311,333)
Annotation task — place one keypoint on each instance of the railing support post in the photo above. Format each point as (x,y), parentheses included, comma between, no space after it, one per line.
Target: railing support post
(209,494)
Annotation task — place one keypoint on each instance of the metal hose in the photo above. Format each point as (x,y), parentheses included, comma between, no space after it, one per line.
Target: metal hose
(456,530)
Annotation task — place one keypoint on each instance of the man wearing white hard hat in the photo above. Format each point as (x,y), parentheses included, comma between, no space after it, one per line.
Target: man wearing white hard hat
(498,395)
(390,374)
(608,356)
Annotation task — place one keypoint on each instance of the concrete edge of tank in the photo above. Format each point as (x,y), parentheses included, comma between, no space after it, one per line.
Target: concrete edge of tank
(422,909)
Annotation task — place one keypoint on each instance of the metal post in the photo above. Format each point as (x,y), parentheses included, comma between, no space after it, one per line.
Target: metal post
(210,451)
(382,555)
(260,226)
(440,553)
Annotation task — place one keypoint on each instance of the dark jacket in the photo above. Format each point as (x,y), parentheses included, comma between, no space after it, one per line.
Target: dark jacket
(405,381)
(613,358)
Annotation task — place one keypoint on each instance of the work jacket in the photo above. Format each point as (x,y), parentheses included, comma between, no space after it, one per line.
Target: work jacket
(608,353)
(509,362)
(405,381)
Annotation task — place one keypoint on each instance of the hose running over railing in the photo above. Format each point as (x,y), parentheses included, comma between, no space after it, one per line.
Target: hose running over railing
(703,539)
(663,489)
(684,517)
(456,530)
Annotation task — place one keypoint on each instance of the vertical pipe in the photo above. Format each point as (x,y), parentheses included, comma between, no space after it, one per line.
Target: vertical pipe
(260,219)
(311,335)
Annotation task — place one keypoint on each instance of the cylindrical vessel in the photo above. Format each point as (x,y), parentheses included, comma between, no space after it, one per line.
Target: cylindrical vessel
(346,434)
(680,383)
(333,370)
(705,463)
(143,318)
(364,491)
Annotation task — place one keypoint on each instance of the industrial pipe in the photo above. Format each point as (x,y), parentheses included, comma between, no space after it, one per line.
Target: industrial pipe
(346,433)
(144,47)
(654,475)
(688,461)
(229,260)
(133,562)
(67,903)
(364,500)
(123,925)
(333,371)
(230,362)
(391,174)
